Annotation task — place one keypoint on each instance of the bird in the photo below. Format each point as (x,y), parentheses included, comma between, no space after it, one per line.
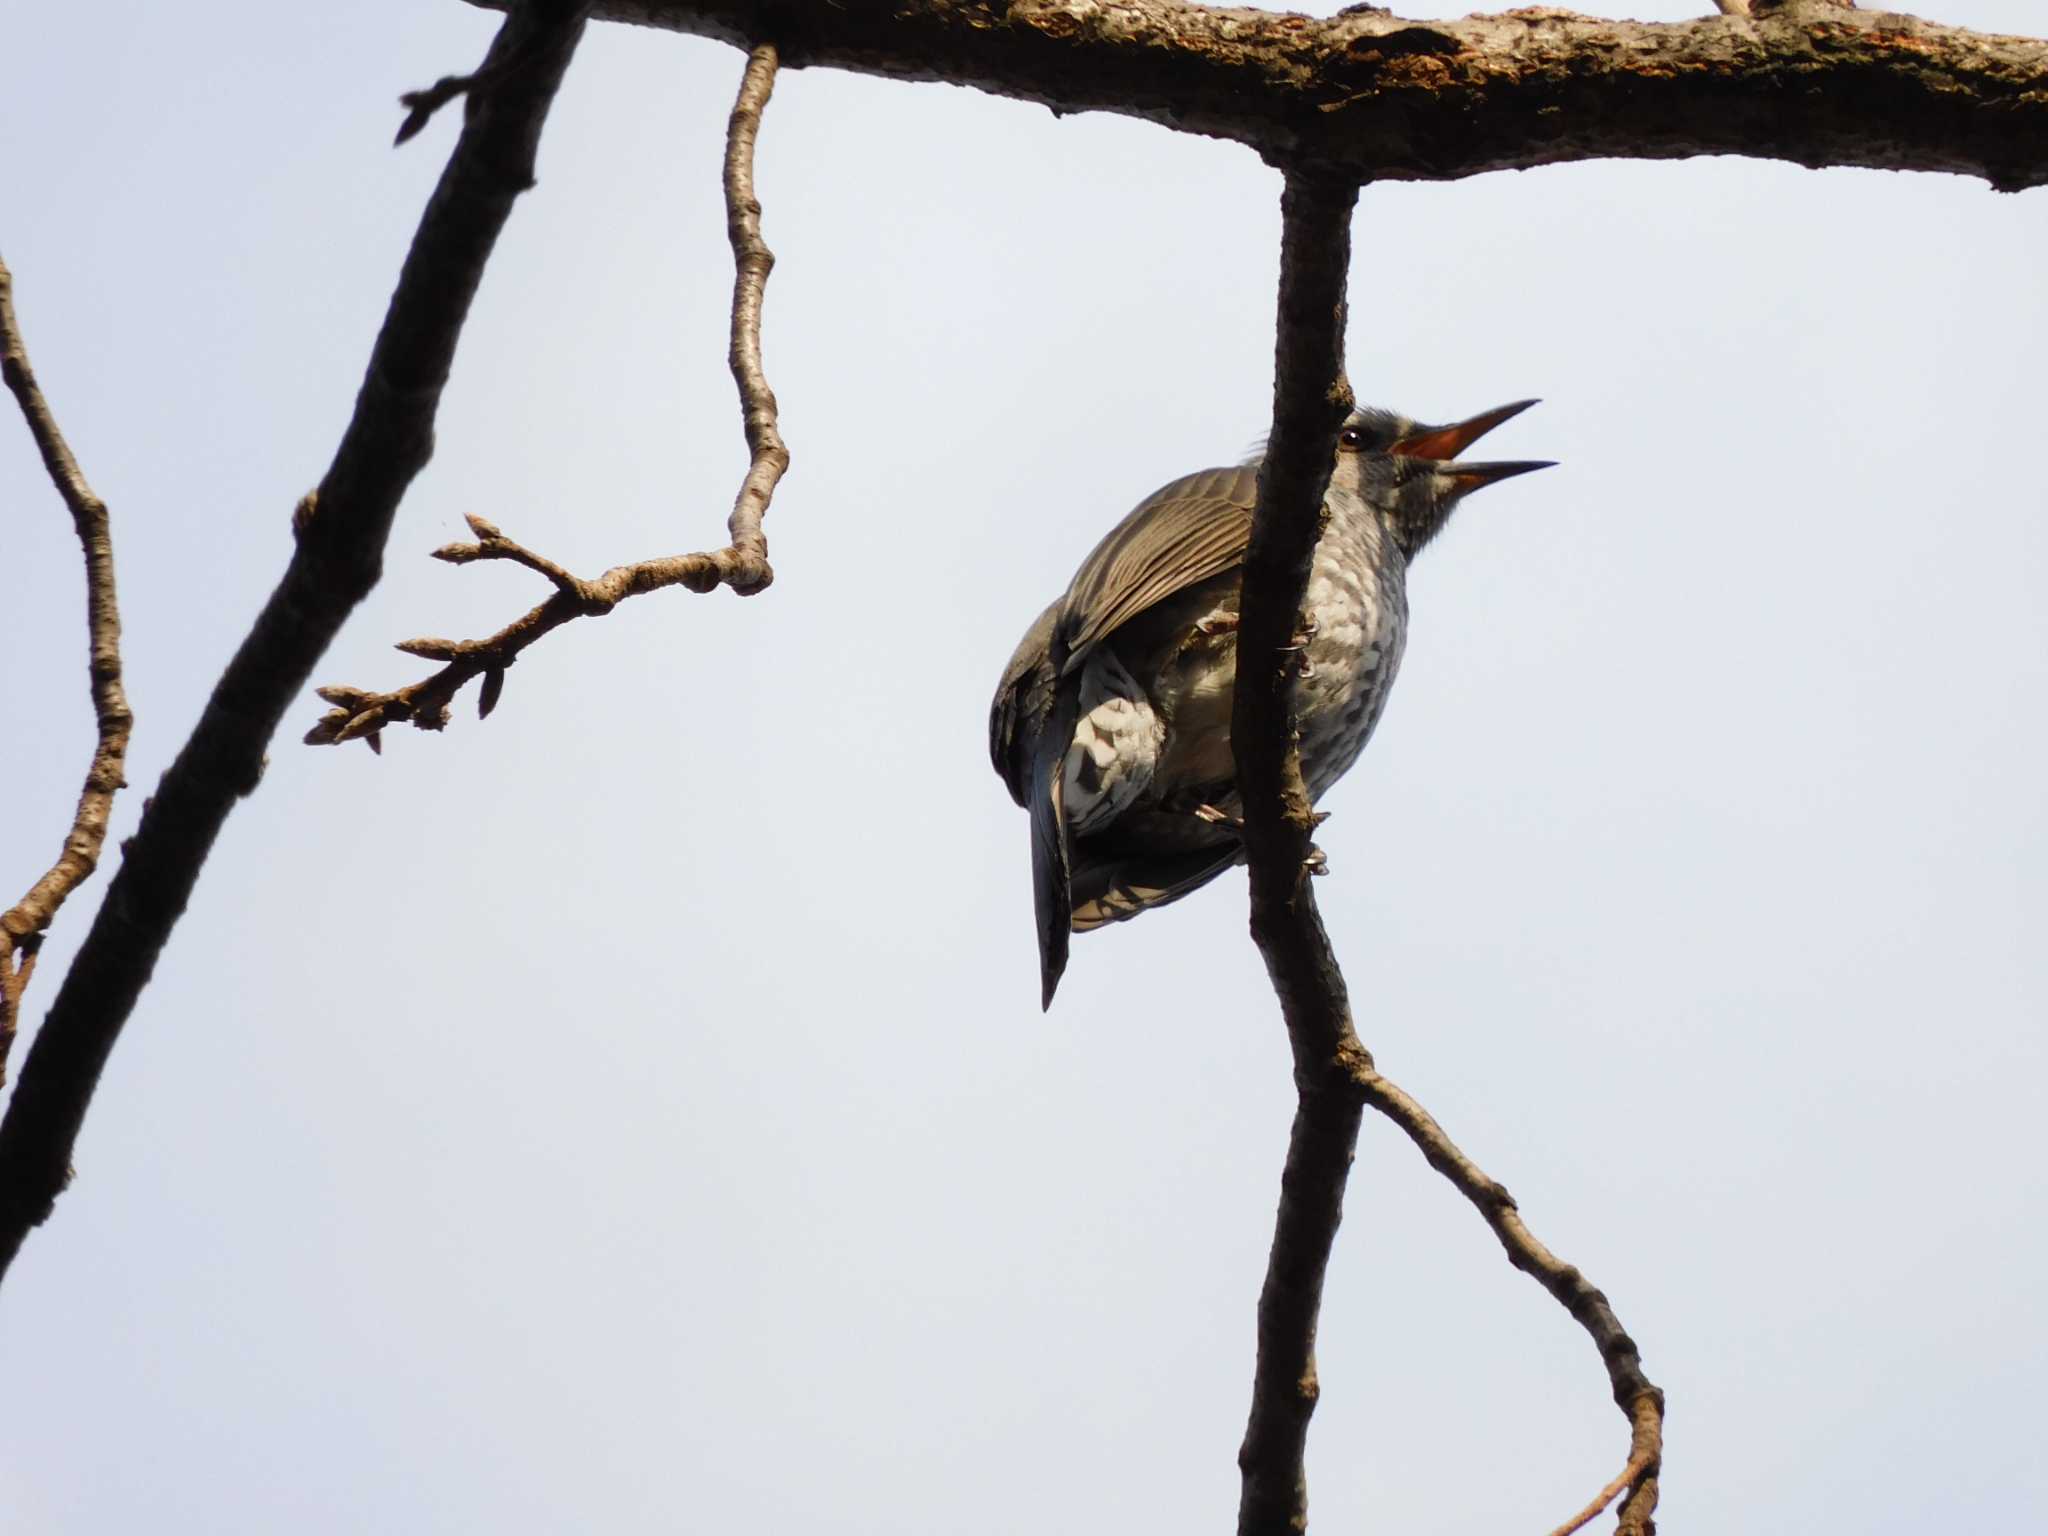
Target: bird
(1111,724)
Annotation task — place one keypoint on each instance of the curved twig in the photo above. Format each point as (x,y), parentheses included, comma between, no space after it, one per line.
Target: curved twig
(342,528)
(1636,1394)
(752,262)
(1646,1447)
(358,714)
(23,925)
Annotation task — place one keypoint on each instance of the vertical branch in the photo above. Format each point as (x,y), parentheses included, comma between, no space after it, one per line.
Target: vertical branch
(341,529)
(1334,1075)
(752,262)
(23,925)
(1310,402)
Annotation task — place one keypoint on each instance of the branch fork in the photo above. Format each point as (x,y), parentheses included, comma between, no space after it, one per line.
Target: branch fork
(359,714)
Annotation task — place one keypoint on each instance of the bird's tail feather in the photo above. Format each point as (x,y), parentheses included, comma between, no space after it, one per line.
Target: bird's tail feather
(1108,888)
(1051,896)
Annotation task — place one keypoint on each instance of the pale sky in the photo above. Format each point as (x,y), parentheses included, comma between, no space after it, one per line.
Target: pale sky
(633,1113)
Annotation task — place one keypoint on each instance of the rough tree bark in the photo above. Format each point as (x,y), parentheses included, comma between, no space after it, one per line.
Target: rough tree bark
(1384,99)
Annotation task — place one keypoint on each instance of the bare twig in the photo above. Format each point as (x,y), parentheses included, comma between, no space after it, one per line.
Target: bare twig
(1645,1448)
(23,925)
(1637,1396)
(1727,8)
(752,262)
(359,714)
(1386,98)
(1334,1074)
(422,105)
(342,528)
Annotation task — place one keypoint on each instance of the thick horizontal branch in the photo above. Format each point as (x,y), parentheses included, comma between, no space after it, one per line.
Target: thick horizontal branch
(342,528)
(23,925)
(1380,98)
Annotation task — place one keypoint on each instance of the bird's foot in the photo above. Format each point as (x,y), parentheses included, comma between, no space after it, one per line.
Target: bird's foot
(1317,862)
(1216,624)
(1217,818)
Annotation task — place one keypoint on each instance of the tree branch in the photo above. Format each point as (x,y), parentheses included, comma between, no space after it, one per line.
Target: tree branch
(342,528)
(1334,1074)
(1385,99)
(1634,1392)
(1310,402)
(23,925)
(360,715)
(752,262)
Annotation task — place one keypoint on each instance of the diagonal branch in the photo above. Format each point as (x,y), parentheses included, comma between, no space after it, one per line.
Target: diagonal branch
(342,528)
(1637,1396)
(23,925)
(1382,98)
(361,715)
(1334,1075)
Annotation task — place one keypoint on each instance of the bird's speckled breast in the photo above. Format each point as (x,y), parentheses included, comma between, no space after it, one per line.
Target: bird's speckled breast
(1358,600)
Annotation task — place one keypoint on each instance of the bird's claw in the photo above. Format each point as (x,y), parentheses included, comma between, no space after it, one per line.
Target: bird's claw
(1216,624)
(1297,645)
(1317,862)
(1217,818)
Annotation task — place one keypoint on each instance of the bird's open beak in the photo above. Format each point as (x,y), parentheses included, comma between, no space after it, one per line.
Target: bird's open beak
(1467,478)
(1426,442)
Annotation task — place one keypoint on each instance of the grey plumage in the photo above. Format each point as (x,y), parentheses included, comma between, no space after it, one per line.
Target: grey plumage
(1111,723)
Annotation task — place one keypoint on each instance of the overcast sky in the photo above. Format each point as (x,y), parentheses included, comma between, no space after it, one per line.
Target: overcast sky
(633,1113)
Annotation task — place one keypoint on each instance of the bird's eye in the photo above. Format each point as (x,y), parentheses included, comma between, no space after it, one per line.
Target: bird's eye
(1351,437)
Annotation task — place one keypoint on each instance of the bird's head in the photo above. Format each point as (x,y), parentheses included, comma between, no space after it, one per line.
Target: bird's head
(1408,471)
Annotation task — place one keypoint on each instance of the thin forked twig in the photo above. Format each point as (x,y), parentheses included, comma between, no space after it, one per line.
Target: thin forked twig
(23,925)
(1334,1074)
(1637,1396)
(1646,1446)
(358,714)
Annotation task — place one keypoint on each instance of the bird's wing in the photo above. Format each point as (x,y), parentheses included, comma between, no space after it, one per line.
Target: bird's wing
(1022,703)
(1181,534)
